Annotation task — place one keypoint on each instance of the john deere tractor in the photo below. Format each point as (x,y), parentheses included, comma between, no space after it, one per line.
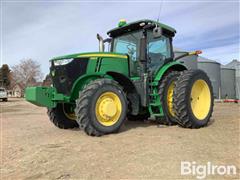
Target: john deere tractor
(138,78)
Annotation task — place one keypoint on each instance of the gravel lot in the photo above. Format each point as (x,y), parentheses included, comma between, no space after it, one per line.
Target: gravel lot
(31,147)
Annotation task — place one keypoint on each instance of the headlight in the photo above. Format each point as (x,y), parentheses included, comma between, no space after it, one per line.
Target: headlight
(61,62)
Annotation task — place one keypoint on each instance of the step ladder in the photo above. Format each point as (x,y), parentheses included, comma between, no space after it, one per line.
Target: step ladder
(155,106)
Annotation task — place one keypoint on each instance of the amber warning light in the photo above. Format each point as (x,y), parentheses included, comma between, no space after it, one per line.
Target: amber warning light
(198,52)
(195,52)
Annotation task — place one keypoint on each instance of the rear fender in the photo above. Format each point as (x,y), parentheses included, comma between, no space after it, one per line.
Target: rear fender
(176,66)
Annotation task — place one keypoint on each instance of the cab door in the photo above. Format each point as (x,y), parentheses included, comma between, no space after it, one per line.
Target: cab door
(159,51)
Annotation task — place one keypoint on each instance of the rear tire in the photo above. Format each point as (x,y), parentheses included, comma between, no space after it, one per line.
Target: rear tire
(59,118)
(101,107)
(166,83)
(193,99)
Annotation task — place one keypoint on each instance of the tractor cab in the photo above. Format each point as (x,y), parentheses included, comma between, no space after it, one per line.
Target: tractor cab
(146,42)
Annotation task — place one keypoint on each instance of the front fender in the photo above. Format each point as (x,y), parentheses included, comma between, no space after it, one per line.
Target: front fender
(80,83)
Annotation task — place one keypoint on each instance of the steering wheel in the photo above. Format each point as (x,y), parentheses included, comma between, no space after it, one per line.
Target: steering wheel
(131,50)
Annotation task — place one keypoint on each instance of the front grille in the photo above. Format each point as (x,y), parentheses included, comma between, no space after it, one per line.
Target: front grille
(64,76)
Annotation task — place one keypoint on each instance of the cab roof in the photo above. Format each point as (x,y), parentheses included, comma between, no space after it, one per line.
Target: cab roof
(138,25)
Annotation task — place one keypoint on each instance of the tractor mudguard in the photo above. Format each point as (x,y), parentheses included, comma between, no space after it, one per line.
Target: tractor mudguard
(44,96)
(172,65)
(80,83)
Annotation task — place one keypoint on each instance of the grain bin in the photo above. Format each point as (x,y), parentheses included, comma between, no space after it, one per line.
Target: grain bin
(212,68)
(189,61)
(235,64)
(228,83)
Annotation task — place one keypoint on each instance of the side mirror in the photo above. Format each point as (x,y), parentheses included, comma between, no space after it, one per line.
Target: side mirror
(157,32)
(142,54)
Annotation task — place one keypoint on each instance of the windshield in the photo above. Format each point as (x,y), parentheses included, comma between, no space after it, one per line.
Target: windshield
(128,44)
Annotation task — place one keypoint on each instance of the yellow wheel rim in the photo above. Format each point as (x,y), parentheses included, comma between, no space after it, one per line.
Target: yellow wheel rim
(200,99)
(69,115)
(170,99)
(108,108)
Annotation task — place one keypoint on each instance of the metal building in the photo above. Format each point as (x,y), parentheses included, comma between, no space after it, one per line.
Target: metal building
(212,68)
(235,64)
(228,83)
(189,61)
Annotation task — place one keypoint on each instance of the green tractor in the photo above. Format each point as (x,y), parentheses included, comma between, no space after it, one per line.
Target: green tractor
(138,78)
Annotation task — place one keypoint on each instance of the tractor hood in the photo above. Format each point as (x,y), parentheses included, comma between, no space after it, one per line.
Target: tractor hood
(65,70)
(91,55)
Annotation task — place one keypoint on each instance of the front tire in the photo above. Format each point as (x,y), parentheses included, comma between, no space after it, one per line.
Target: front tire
(193,99)
(60,118)
(101,107)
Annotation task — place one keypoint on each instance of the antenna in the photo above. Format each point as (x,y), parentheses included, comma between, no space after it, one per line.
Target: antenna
(159,10)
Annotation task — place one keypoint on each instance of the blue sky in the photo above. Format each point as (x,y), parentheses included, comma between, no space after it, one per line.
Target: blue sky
(43,29)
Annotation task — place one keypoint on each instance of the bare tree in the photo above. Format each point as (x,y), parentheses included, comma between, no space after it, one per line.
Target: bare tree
(5,76)
(27,72)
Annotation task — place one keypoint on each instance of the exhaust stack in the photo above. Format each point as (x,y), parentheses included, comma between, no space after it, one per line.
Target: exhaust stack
(101,43)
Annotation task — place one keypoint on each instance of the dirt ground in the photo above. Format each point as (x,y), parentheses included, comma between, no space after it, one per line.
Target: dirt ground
(31,147)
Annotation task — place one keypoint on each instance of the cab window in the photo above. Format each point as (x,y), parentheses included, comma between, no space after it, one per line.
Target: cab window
(129,44)
(158,50)
(126,48)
